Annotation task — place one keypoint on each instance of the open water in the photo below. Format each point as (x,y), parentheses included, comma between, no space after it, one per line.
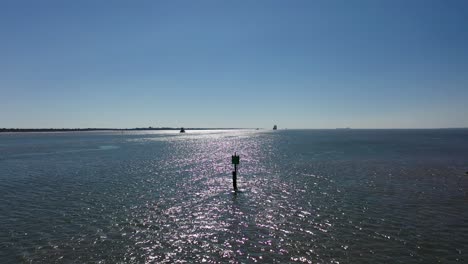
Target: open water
(307,196)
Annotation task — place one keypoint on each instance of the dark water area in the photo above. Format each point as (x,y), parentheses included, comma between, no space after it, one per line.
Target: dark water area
(307,196)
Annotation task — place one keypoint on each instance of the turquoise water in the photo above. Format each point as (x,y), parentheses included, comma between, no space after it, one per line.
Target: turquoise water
(307,196)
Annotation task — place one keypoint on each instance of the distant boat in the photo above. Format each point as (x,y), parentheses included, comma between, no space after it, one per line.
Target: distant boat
(182,130)
(275,127)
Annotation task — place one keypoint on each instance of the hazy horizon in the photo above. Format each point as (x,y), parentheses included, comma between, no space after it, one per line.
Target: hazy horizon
(246,64)
(221,128)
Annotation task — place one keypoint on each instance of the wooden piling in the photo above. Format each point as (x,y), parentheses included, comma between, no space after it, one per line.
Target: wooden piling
(235,161)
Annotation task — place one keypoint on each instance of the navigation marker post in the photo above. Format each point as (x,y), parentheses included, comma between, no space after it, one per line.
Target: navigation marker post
(235,161)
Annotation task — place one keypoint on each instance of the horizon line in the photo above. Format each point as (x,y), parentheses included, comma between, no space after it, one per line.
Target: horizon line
(210,128)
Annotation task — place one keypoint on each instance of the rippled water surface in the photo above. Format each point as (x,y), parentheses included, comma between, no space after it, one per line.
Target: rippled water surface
(307,196)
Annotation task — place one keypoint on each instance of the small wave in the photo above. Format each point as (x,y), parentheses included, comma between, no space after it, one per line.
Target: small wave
(26,155)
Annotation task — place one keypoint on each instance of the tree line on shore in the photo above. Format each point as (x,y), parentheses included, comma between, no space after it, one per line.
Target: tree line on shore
(81,129)
(98,129)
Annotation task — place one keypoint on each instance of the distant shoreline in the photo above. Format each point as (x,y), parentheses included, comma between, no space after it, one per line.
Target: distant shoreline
(101,129)
(21,130)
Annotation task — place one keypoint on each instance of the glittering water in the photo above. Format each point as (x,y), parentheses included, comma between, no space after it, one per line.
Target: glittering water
(310,196)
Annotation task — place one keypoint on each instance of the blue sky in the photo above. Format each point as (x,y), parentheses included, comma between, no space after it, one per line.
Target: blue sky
(298,64)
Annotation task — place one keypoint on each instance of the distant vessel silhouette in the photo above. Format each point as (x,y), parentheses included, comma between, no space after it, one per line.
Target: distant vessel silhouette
(275,127)
(182,130)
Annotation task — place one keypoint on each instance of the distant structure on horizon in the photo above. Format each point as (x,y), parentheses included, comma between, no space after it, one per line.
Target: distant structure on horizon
(275,127)
(182,130)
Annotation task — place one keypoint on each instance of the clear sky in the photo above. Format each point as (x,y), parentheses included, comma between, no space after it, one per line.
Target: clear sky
(297,64)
